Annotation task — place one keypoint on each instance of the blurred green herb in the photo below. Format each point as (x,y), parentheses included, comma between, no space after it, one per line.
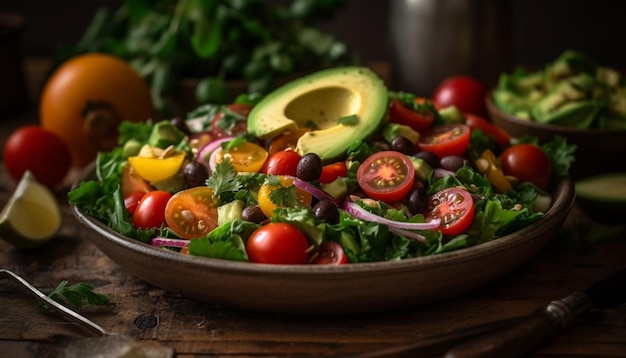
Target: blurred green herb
(78,294)
(256,41)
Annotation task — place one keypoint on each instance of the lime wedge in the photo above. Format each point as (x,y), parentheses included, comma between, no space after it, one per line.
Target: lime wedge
(32,215)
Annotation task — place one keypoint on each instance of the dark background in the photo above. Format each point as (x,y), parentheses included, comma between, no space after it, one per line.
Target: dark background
(539,29)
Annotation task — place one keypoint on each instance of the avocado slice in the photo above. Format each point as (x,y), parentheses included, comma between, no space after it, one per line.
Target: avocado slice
(342,105)
(603,196)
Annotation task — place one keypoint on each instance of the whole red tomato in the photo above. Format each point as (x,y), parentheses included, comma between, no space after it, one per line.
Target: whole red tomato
(150,210)
(527,162)
(278,243)
(40,151)
(464,92)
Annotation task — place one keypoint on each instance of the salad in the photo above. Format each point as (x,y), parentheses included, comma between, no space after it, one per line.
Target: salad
(426,181)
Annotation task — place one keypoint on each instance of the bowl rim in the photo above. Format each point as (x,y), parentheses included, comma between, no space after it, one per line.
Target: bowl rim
(563,196)
(493,109)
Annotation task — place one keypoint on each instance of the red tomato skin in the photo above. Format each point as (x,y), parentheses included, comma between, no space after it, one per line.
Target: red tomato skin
(330,253)
(527,162)
(332,171)
(132,199)
(383,163)
(284,162)
(278,243)
(40,151)
(445,139)
(447,203)
(466,93)
(500,135)
(150,211)
(400,114)
(239,128)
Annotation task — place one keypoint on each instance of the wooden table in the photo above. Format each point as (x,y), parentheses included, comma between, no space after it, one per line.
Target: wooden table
(192,328)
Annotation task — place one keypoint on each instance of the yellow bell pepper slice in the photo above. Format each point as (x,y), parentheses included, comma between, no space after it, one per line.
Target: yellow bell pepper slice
(154,169)
(494,173)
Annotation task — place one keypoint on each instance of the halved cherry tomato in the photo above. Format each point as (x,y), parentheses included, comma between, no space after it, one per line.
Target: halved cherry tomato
(268,206)
(455,208)
(278,243)
(230,121)
(286,140)
(192,212)
(150,211)
(284,162)
(332,171)
(445,139)
(527,162)
(500,135)
(245,156)
(330,253)
(418,120)
(387,176)
(132,200)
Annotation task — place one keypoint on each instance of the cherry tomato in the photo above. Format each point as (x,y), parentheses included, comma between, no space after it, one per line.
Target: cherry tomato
(332,171)
(418,120)
(527,162)
(231,121)
(38,150)
(387,176)
(330,253)
(87,97)
(192,212)
(278,243)
(286,140)
(445,139)
(132,199)
(150,211)
(500,135)
(265,191)
(464,92)
(455,208)
(284,162)
(244,157)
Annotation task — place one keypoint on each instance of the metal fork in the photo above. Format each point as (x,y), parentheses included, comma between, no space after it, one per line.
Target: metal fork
(66,312)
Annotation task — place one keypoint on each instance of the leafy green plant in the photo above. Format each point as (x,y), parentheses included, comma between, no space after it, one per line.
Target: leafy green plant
(256,41)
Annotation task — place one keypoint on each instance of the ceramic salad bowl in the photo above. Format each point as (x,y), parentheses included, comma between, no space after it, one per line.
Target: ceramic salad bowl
(327,289)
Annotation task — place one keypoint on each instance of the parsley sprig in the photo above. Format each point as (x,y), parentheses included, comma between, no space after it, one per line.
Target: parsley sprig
(78,294)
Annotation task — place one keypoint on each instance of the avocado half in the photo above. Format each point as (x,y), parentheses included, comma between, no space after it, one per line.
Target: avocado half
(342,105)
(603,196)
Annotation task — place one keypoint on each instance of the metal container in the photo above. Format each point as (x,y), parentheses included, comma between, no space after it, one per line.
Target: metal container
(433,39)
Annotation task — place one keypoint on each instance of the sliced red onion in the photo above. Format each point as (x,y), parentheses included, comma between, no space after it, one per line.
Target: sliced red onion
(210,148)
(311,189)
(358,212)
(168,242)
(408,234)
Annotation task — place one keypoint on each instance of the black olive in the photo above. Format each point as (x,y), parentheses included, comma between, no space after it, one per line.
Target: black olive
(417,200)
(196,174)
(452,162)
(403,145)
(429,157)
(326,210)
(180,123)
(253,214)
(309,167)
